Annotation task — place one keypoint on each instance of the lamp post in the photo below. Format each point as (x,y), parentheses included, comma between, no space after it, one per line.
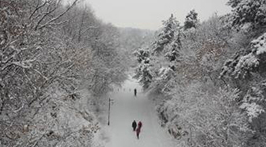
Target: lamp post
(109,111)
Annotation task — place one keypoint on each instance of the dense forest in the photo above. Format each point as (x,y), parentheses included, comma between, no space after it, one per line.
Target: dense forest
(58,62)
(208,78)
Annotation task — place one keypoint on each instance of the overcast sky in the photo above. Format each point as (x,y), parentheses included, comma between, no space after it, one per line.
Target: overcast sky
(148,14)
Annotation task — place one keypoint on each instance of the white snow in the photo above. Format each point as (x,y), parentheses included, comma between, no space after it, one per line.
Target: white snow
(260,44)
(253,110)
(125,109)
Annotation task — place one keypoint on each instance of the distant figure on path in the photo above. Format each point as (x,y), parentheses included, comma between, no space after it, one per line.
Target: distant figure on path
(137,132)
(135,92)
(134,125)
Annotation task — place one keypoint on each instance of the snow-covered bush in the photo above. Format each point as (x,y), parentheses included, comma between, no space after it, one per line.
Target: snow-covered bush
(253,101)
(63,120)
(201,118)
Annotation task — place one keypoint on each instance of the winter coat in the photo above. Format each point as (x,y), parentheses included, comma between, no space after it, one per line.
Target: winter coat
(134,124)
(138,131)
(139,124)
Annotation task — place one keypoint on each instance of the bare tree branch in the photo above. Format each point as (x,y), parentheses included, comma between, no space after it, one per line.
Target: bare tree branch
(37,8)
(55,18)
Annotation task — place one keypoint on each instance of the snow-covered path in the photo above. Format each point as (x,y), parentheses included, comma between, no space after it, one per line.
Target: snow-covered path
(125,109)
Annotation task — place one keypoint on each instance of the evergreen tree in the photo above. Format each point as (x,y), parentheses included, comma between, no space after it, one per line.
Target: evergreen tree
(145,77)
(248,11)
(142,55)
(156,64)
(233,3)
(191,20)
(166,35)
(175,47)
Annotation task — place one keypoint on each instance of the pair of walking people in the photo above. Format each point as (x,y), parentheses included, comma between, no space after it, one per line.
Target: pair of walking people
(136,127)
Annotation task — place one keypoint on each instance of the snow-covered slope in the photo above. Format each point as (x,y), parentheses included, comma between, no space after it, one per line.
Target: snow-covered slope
(124,110)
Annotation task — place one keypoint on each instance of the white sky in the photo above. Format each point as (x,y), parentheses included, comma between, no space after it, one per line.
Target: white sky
(148,14)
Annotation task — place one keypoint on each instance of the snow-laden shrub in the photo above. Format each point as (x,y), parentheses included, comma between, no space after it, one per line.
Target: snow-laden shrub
(252,103)
(63,120)
(201,118)
(259,45)
(253,110)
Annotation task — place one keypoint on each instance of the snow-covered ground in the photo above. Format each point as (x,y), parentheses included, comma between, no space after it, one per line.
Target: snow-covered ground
(124,110)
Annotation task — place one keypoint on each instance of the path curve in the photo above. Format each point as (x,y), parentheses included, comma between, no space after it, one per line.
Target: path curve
(124,110)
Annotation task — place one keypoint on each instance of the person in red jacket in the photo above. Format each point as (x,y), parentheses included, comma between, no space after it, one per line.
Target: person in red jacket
(137,132)
(140,125)
(138,129)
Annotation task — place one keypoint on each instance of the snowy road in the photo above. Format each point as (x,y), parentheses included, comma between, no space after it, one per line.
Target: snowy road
(125,109)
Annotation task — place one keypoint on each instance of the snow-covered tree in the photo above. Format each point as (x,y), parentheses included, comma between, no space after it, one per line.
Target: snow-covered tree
(244,66)
(142,55)
(166,34)
(248,12)
(253,101)
(144,75)
(173,49)
(46,57)
(245,62)
(158,56)
(191,20)
(199,118)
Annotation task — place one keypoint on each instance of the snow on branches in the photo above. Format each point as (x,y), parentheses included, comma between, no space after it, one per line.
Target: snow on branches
(248,11)
(243,64)
(166,35)
(162,53)
(191,20)
(259,45)
(241,67)
(44,47)
(203,118)
(253,101)
(142,55)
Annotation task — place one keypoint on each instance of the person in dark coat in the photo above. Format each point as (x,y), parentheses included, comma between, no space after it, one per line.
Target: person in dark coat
(135,92)
(134,125)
